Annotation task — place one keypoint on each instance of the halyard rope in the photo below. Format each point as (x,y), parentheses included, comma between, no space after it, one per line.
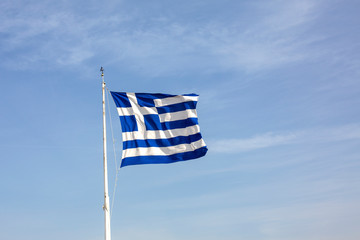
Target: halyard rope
(114,149)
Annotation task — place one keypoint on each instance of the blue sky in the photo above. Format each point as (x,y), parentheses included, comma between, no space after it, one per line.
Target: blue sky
(279,109)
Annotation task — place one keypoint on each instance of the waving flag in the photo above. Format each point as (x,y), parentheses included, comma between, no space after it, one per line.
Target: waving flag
(158,128)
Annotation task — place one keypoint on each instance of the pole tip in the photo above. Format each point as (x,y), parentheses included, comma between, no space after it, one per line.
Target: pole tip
(102,71)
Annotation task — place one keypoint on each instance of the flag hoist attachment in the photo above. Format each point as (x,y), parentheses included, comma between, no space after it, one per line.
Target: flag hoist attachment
(106,205)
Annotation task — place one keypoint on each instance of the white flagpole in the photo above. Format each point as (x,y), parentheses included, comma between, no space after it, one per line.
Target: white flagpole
(106,206)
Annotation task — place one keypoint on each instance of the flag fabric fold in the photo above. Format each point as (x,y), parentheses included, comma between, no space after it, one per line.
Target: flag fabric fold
(158,128)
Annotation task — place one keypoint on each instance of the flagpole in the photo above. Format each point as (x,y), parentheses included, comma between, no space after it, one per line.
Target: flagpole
(106,206)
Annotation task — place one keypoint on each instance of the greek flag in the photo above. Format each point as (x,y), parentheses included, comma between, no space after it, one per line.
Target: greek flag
(158,128)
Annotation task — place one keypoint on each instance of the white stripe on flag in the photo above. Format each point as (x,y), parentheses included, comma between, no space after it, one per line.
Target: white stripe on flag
(123,111)
(158,134)
(139,117)
(163,151)
(189,113)
(160,102)
(128,111)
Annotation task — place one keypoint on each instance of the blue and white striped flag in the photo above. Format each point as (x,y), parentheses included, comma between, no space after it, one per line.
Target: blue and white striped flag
(158,128)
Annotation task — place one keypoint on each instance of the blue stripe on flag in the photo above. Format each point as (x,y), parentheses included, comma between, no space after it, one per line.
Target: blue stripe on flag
(161,95)
(166,142)
(177,107)
(164,159)
(152,122)
(179,123)
(145,100)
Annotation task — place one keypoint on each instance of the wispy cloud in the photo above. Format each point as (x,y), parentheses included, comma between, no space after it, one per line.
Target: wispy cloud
(57,36)
(279,218)
(256,142)
(317,135)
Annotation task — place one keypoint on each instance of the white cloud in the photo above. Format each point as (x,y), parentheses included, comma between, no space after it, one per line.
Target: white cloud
(289,14)
(319,135)
(240,145)
(57,36)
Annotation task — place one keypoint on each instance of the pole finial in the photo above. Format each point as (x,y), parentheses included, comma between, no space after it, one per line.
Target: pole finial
(102,71)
